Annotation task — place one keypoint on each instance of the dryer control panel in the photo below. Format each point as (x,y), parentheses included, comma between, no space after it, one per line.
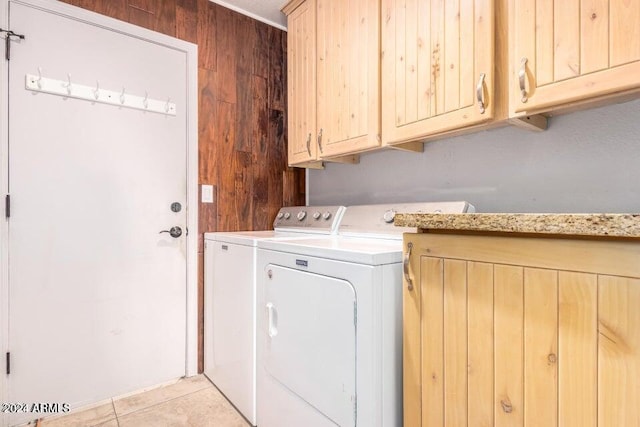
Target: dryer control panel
(377,220)
(315,219)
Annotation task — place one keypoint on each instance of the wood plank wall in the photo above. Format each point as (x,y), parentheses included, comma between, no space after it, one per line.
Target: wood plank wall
(242,112)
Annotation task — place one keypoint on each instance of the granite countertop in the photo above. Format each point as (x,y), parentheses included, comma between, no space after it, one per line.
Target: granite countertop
(615,225)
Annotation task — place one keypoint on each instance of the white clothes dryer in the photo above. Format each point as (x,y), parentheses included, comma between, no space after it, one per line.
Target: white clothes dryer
(230,298)
(330,323)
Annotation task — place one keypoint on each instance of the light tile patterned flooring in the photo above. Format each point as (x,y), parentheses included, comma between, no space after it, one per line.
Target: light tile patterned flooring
(190,402)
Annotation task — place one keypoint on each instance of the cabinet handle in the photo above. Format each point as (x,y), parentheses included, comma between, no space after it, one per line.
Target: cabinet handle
(405,266)
(309,144)
(480,93)
(522,76)
(320,140)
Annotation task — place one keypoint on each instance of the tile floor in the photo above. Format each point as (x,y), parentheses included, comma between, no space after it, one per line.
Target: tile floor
(190,402)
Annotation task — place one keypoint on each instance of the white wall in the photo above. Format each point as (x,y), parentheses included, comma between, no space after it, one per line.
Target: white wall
(587,161)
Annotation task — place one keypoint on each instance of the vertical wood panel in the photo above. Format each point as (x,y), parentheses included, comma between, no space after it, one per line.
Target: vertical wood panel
(566,34)
(618,351)
(226,59)
(424,59)
(141,18)
(594,35)
(277,67)
(508,350)
(401,53)
(305,92)
(524,44)
(144,5)
(323,72)
(341,46)
(624,31)
(187,20)
(165,17)
(411,62)
(468,74)
(207,155)
(540,347)
(364,83)
(245,102)
(455,343)
(452,55)
(544,42)
(224,137)
(114,8)
(438,63)
(412,376)
(296,93)
(358,39)
(261,154)
(577,349)
(206,35)
(293,187)
(480,344)
(432,299)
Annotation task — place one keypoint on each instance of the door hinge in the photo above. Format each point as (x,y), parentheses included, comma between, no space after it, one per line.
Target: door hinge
(7,206)
(8,363)
(7,42)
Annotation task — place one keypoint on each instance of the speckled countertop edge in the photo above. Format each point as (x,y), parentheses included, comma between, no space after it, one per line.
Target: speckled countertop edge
(603,225)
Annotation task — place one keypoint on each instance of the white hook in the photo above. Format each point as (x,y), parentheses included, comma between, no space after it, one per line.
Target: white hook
(122,96)
(145,101)
(39,81)
(96,91)
(166,106)
(68,84)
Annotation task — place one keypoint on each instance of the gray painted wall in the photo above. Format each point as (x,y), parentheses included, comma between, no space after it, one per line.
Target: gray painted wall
(587,161)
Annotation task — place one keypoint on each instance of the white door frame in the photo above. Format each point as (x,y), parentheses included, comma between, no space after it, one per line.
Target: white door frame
(191,51)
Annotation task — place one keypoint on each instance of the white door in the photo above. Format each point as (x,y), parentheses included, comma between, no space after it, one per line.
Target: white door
(97,303)
(311,339)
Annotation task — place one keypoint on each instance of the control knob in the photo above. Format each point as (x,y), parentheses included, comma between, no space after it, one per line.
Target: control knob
(301,215)
(389,216)
(326,215)
(316,215)
(280,215)
(287,215)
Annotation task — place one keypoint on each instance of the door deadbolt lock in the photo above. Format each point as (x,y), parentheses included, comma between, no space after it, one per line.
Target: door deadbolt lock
(176,207)
(175,232)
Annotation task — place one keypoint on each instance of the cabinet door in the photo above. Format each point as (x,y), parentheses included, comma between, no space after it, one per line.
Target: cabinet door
(348,76)
(522,331)
(436,54)
(301,83)
(572,50)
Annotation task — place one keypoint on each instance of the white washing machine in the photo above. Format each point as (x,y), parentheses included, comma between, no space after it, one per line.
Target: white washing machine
(330,323)
(230,298)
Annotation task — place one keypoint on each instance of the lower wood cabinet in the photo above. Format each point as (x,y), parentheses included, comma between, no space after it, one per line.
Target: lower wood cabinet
(521,331)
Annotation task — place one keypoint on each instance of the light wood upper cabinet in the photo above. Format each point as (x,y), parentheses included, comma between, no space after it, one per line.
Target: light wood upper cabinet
(520,331)
(301,83)
(572,51)
(439,66)
(348,76)
(333,80)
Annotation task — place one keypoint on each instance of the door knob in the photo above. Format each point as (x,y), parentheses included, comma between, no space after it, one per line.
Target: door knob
(175,232)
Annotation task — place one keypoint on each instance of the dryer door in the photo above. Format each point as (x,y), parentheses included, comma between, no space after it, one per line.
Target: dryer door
(311,339)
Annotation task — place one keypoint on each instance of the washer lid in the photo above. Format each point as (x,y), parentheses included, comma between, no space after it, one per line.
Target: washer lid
(251,238)
(349,249)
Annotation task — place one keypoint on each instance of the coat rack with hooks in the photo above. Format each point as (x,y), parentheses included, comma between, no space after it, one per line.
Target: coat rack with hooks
(120,98)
